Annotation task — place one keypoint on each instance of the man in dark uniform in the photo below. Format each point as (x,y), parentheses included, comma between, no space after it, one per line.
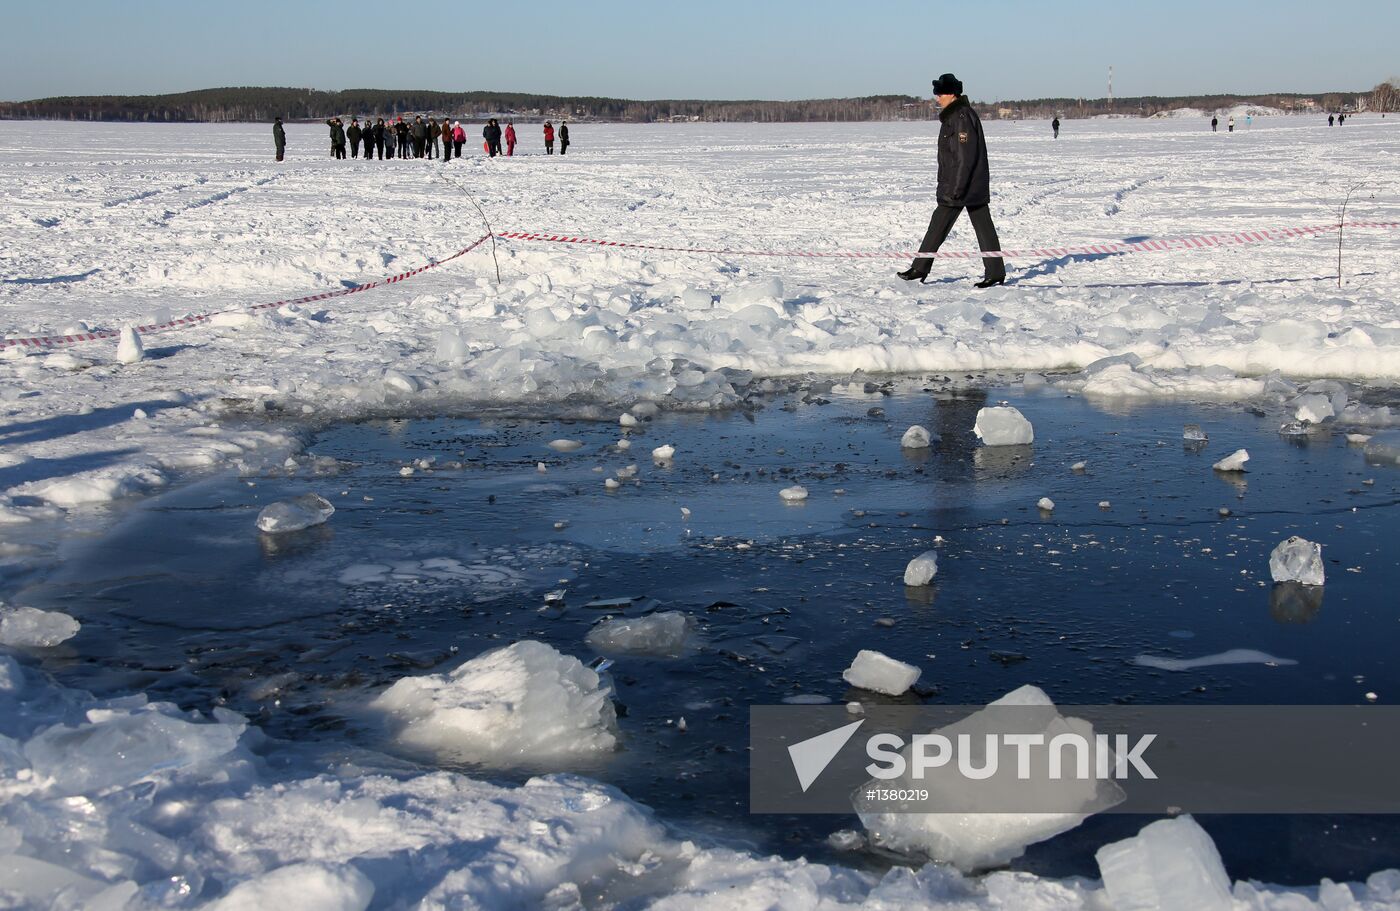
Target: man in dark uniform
(563,137)
(964,182)
(1055,127)
(279,137)
(378,140)
(492,134)
(354,134)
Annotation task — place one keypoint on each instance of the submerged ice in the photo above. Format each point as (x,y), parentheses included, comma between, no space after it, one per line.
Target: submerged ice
(295,514)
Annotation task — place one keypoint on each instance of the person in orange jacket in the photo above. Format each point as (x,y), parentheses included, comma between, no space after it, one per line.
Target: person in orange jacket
(510,137)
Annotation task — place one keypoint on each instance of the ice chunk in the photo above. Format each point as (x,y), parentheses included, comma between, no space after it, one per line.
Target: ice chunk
(566,445)
(309,886)
(29,627)
(1003,425)
(1233,462)
(921,569)
(525,704)
(129,347)
(880,673)
(664,453)
(1383,447)
(612,483)
(915,437)
(398,381)
(627,420)
(1313,408)
(794,494)
(1171,865)
(1297,560)
(122,749)
(1046,504)
(656,634)
(1192,433)
(973,840)
(293,515)
(451,348)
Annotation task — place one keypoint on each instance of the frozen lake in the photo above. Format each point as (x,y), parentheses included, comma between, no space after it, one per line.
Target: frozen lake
(186,601)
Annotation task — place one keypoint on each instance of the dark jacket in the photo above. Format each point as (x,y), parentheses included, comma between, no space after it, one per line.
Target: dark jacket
(279,135)
(420,130)
(377,131)
(563,132)
(491,133)
(964,179)
(337,133)
(354,132)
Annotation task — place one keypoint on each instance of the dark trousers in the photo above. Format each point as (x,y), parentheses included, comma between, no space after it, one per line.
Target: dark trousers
(417,147)
(942,222)
(280,151)
(563,146)
(457,147)
(354,148)
(337,151)
(549,146)
(493,147)
(432,147)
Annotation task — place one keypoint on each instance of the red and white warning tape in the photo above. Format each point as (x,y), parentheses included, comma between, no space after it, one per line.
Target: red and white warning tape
(1165,245)
(57,341)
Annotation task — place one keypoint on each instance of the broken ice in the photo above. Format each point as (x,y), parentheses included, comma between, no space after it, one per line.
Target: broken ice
(1003,425)
(794,494)
(1192,433)
(1297,560)
(662,633)
(880,673)
(29,627)
(916,437)
(921,569)
(1171,865)
(1232,462)
(295,514)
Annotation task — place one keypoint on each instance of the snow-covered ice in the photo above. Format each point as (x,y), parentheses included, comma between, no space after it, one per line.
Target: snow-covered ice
(921,569)
(879,673)
(522,705)
(1232,462)
(1171,865)
(662,633)
(1003,425)
(664,453)
(794,494)
(304,511)
(1297,560)
(29,627)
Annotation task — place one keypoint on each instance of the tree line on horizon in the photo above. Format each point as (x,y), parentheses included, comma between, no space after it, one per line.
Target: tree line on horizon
(255,104)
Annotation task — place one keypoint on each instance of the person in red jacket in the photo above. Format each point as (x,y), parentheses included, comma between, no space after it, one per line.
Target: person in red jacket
(548,138)
(510,137)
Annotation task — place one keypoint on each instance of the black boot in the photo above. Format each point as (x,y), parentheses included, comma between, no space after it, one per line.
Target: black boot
(913,272)
(988,282)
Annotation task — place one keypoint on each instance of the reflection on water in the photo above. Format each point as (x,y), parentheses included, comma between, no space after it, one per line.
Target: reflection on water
(1293,602)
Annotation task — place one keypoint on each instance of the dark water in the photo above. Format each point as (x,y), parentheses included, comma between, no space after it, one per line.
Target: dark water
(187,601)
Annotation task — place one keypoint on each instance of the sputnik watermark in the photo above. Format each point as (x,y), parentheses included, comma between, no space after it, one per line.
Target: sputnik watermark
(937,751)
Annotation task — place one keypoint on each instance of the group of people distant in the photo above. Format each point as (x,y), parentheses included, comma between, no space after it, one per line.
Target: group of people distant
(419,138)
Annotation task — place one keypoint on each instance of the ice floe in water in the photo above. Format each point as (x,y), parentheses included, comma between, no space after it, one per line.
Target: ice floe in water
(879,673)
(794,494)
(979,840)
(1232,462)
(1003,425)
(921,569)
(1233,656)
(295,514)
(523,705)
(1297,560)
(916,437)
(663,633)
(29,627)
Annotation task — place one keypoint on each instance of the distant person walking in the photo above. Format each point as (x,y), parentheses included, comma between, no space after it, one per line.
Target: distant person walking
(563,136)
(1341,119)
(964,182)
(1215,124)
(1248,121)
(354,134)
(510,138)
(492,134)
(1230,124)
(548,138)
(1331,120)
(1055,126)
(279,137)
(337,137)
(459,138)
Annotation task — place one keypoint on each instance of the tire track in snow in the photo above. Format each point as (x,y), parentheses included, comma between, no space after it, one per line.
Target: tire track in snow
(217,197)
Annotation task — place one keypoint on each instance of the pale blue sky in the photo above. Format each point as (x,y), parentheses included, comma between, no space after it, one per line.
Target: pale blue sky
(777,49)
